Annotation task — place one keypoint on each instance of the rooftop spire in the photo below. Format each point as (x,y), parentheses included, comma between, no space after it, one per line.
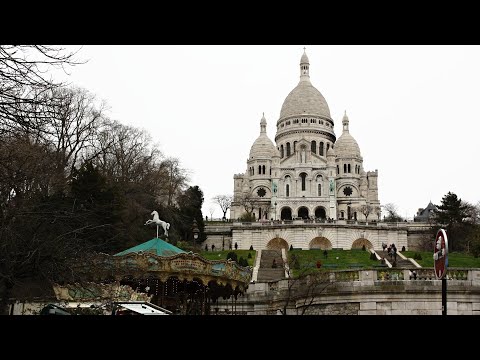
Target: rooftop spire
(345,122)
(263,125)
(304,67)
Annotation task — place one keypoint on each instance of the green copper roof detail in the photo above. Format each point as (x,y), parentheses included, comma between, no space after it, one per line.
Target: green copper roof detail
(155,246)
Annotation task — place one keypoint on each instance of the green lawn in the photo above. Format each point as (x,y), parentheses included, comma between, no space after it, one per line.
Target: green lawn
(336,259)
(222,255)
(455,259)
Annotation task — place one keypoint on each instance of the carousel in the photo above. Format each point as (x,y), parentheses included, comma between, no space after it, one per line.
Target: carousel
(160,273)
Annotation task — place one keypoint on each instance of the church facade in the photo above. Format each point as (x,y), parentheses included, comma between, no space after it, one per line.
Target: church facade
(308,173)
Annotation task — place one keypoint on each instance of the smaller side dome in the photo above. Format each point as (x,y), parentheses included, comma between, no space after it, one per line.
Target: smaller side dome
(263,147)
(346,145)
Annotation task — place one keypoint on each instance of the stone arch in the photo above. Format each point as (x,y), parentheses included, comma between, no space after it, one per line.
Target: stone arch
(320,243)
(286,213)
(320,213)
(358,244)
(303,212)
(277,244)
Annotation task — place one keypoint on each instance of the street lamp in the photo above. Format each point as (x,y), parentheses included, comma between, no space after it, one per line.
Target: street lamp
(195,232)
(275,211)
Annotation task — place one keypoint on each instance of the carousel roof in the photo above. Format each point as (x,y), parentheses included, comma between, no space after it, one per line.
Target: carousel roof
(155,246)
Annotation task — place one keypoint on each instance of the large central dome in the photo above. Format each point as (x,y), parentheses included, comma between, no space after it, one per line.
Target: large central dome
(305,98)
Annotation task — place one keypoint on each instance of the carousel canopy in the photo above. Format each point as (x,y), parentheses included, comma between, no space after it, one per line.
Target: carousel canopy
(155,246)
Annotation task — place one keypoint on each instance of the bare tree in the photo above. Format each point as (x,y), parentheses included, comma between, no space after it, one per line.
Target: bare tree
(26,170)
(176,179)
(72,129)
(392,213)
(24,80)
(249,203)
(473,212)
(304,284)
(211,210)
(366,210)
(225,202)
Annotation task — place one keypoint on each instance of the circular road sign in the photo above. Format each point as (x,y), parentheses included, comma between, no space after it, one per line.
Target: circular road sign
(440,254)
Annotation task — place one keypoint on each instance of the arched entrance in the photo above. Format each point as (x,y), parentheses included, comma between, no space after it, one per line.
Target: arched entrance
(277,244)
(358,244)
(320,243)
(320,213)
(286,214)
(303,212)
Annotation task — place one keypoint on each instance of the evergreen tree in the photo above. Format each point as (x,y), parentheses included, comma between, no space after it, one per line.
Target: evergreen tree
(452,214)
(190,207)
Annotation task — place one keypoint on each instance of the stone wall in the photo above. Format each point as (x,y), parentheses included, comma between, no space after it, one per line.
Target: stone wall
(300,234)
(367,295)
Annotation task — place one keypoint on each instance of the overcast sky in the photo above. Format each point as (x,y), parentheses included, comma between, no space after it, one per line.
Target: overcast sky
(413,109)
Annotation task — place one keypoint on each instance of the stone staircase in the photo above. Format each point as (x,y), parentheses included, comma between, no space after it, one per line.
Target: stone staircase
(401,263)
(266,272)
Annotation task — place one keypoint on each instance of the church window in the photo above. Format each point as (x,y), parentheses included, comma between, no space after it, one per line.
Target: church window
(259,170)
(304,177)
(287,190)
(321,149)
(328,146)
(349,169)
(270,171)
(338,170)
(344,168)
(342,215)
(263,169)
(261,192)
(288,149)
(281,152)
(319,189)
(314,147)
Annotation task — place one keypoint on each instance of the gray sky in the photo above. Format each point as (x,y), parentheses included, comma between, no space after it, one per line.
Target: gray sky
(412,109)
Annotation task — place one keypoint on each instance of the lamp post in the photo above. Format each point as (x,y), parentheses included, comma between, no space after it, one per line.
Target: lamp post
(195,232)
(275,211)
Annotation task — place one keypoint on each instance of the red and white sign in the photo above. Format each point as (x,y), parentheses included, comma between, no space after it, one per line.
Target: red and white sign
(440,254)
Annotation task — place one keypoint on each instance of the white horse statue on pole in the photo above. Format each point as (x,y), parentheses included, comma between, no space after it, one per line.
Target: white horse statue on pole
(156,220)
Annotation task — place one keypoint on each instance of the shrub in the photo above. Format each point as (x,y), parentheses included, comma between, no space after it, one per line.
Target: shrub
(249,255)
(372,256)
(247,217)
(242,261)
(232,256)
(291,247)
(251,247)
(363,247)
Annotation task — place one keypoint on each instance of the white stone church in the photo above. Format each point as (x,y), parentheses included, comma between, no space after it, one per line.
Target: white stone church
(309,173)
